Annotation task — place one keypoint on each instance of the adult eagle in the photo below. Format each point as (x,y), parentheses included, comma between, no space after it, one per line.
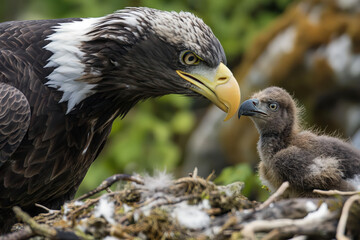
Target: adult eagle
(64,81)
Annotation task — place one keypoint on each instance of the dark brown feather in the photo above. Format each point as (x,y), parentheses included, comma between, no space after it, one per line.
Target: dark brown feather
(14,120)
(51,149)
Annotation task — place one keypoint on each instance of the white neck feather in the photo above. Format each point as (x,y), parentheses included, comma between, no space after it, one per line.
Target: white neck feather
(67,58)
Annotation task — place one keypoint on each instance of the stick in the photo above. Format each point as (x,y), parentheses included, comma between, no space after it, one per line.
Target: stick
(230,222)
(45,230)
(340,230)
(22,234)
(195,173)
(335,192)
(248,231)
(45,208)
(161,201)
(108,182)
(273,197)
(40,229)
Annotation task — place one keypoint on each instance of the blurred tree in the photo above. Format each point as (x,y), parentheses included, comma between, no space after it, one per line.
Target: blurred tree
(234,22)
(9,9)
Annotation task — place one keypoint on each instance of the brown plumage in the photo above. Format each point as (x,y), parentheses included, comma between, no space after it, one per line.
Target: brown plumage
(288,153)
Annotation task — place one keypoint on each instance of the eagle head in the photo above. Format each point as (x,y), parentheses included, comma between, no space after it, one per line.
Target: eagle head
(272,110)
(139,53)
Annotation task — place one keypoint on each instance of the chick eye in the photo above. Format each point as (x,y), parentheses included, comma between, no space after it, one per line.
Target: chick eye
(189,58)
(273,106)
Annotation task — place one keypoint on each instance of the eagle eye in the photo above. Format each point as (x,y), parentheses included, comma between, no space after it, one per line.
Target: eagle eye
(189,58)
(273,106)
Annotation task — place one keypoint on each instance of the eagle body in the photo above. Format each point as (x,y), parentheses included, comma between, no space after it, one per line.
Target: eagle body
(64,81)
(52,144)
(306,160)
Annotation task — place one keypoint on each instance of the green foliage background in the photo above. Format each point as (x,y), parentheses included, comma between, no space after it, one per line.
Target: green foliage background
(153,135)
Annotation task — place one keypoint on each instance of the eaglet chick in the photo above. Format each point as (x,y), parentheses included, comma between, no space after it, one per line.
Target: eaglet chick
(288,153)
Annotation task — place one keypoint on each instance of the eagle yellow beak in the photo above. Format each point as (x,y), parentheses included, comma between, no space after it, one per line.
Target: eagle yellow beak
(219,87)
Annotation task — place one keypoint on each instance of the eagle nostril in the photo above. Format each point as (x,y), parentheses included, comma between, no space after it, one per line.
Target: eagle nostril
(222,80)
(255,102)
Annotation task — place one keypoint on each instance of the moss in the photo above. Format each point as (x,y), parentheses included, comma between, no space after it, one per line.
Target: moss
(260,43)
(156,225)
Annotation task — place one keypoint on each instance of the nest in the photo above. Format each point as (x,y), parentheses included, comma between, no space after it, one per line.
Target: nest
(189,208)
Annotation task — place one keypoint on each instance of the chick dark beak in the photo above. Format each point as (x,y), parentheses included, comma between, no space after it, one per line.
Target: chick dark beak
(250,108)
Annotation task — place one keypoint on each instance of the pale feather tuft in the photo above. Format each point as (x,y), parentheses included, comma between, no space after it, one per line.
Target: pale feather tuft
(191,217)
(355,181)
(105,209)
(159,181)
(319,214)
(67,58)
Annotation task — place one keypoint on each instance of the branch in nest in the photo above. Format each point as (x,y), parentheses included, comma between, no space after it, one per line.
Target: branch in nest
(193,181)
(50,211)
(87,204)
(340,231)
(273,197)
(108,182)
(24,233)
(43,229)
(313,220)
(323,230)
(161,201)
(335,192)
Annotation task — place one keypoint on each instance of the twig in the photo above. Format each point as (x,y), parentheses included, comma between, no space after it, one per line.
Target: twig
(273,197)
(25,233)
(45,230)
(45,208)
(230,222)
(40,229)
(191,180)
(248,231)
(271,235)
(161,201)
(335,192)
(211,175)
(213,211)
(87,204)
(118,232)
(195,173)
(340,230)
(323,230)
(108,182)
